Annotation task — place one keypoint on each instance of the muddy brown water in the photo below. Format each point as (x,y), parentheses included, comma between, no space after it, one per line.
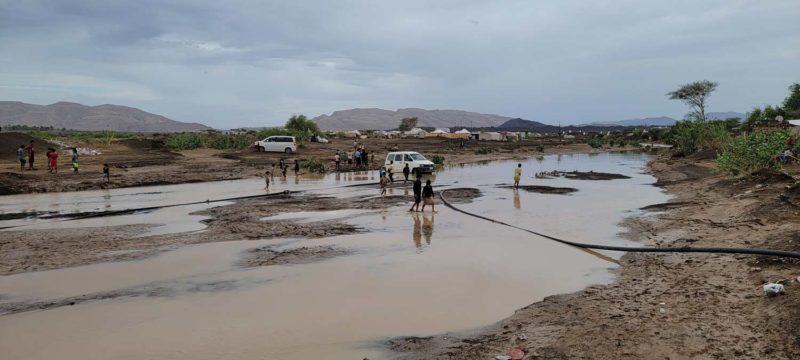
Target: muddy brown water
(411,274)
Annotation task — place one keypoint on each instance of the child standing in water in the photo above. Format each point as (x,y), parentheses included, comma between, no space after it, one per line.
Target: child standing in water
(517,175)
(266,179)
(384,184)
(427,195)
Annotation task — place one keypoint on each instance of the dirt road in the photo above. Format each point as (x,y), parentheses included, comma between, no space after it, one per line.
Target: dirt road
(673,306)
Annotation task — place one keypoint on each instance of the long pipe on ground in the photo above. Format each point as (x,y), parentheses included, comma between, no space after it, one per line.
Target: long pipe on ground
(682,249)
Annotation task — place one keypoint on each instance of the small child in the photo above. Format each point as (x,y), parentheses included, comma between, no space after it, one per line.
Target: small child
(266,178)
(106,173)
(384,184)
(53,160)
(75,160)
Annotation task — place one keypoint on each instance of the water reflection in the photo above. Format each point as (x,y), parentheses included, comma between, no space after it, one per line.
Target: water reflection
(422,228)
(517,204)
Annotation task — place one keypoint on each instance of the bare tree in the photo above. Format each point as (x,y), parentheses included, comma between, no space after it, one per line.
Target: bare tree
(407,123)
(695,95)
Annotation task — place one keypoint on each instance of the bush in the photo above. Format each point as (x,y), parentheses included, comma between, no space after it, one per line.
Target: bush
(437,159)
(185,141)
(483,150)
(748,153)
(232,141)
(690,136)
(595,143)
(314,165)
(275,131)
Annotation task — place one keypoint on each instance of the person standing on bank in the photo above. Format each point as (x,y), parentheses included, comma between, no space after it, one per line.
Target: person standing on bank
(427,195)
(517,175)
(21,158)
(31,152)
(296,167)
(75,160)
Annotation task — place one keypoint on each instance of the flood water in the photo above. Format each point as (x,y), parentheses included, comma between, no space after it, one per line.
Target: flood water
(412,274)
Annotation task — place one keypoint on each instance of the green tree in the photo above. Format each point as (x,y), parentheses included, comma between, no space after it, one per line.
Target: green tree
(695,95)
(791,105)
(301,127)
(407,124)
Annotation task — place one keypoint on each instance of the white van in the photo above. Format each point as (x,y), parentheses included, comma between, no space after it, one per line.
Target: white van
(416,162)
(285,144)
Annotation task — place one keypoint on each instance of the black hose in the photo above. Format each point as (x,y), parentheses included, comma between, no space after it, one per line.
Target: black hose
(683,249)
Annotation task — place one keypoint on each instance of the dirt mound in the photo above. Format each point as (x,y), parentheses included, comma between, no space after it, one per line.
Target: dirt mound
(543,189)
(462,195)
(792,195)
(265,256)
(665,206)
(770,176)
(10,142)
(591,175)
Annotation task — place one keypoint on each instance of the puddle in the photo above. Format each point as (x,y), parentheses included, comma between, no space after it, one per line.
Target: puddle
(415,274)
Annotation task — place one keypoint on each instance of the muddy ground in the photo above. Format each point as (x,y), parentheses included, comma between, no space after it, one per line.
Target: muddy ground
(141,162)
(668,306)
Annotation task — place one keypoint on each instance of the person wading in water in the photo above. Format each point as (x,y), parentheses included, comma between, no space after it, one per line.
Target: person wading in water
(517,176)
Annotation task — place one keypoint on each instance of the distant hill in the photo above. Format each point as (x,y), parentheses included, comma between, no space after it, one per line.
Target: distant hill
(379,119)
(665,120)
(74,116)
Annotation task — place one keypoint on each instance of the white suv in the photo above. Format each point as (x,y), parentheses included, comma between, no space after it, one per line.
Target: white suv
(286,144)
(416,162)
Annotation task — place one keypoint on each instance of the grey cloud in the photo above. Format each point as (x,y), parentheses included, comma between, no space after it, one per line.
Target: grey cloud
(256,63)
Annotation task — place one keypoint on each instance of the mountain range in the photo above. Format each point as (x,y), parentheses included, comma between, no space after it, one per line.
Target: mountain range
(379,119)
(74,116)
(665,120)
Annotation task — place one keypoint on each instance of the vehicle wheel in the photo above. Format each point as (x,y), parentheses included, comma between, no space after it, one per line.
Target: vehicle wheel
(288,150)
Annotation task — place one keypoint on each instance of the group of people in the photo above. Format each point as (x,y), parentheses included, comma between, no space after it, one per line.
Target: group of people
(422,194)
(359,158)
(27,155)
(283,167)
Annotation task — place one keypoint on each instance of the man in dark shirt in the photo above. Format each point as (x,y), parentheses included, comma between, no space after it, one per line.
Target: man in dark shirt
(417,194)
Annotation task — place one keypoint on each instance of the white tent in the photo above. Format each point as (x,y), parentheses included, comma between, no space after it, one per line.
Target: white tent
(491,135)
(415,132)
(463,131)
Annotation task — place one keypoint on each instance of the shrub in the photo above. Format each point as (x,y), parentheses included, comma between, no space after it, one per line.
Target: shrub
(232,141)
(314,165)
(689,136)
(185,141)
(483,150)
(748,153)
(437,159)
(275,131)
(595,142)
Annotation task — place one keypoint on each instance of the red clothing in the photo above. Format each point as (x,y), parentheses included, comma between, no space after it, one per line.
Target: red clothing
(53,158)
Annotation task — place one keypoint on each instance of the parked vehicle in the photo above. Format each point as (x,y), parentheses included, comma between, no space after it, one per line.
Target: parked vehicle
(285,144)
(416,162)
(319,139)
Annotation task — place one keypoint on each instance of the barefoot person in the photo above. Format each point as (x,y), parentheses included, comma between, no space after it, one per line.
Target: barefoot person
(406,172)
(384,184)
(21,157)
(52,161)
(75,160)
(517,175)
(266,179)
(31,152)
(106,173)
(296,167)
(427,195)
(390,171)
(417,194)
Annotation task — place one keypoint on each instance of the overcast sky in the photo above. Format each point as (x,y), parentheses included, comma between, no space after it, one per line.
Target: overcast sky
(255,63)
